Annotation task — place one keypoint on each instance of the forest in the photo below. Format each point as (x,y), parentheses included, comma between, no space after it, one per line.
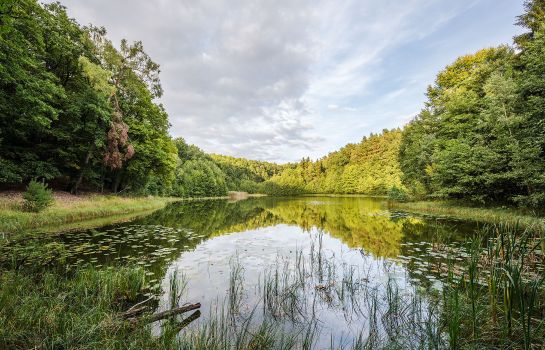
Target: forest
(82,113)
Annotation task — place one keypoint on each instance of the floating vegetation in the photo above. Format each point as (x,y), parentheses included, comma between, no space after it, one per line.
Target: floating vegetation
(151,246)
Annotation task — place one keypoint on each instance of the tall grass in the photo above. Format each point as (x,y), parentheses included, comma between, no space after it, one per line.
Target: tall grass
(495,300)
(290,301)
(48,311)
(499,299)
(13,219)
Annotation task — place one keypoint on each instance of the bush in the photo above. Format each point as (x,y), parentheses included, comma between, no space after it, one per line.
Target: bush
(398,194)
(37,197)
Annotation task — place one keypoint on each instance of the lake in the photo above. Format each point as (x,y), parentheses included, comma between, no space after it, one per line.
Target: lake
(332,270)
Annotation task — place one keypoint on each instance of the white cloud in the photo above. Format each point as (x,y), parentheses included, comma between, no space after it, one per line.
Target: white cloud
(278,80)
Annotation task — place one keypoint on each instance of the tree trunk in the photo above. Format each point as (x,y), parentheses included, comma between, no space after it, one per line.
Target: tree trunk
(165,314)
(116,182)
(80,176)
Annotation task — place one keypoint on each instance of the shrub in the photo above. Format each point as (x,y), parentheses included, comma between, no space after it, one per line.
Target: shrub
(37,197)
(398,194)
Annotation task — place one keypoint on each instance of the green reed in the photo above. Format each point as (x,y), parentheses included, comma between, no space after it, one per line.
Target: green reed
(501,291)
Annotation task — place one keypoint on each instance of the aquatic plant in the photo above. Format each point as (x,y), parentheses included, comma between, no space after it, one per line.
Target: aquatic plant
(501,290)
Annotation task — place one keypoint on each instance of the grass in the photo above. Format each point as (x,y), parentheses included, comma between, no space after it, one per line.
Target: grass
(288,304)
(465,212)
(70,212)
(51,311)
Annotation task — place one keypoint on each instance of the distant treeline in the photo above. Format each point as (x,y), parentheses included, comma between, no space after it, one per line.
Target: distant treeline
(77,111)
(206,175)
(369,167)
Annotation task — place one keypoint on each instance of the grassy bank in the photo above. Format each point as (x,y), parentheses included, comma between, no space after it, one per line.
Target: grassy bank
(460,211)
(73,210)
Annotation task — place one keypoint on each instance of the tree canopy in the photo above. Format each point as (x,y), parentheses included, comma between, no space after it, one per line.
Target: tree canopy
(77,110)
(481,135)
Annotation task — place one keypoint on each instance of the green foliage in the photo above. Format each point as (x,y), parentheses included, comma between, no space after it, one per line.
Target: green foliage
(73,311)
(243,174)
(369,167)
(37,197)
(398,194)
(199,178)
(481,136)
(75,109)
(204,175)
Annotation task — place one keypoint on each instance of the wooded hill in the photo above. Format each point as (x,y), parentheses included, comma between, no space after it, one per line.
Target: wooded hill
(77,110)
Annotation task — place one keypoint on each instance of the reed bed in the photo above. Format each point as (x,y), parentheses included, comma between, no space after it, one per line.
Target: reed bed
(498,301)
(286,309)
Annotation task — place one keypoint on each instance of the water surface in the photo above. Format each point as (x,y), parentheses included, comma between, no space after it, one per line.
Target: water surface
(329,259)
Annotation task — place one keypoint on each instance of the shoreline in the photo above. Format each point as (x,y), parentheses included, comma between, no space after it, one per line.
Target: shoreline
(508,216)
(75,211)
(88,211)
(70,212)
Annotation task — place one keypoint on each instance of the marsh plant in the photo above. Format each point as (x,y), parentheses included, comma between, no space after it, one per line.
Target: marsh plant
(492,299)
(498,299)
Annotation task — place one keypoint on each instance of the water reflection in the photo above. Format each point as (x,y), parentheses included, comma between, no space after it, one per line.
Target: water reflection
(318,258)
(155,240)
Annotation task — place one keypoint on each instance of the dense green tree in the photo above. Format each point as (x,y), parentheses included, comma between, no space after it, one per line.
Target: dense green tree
(29,93)
(459,145)
(529,126)
(199,178)
(244,174)
(481,136)
(74,108)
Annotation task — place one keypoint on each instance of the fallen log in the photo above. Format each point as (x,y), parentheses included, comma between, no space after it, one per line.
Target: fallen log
(136,309)
(140,303)
(186,321)
(166,314)
(133,312)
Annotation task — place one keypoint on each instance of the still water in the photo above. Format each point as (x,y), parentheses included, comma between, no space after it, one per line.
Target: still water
(331,263)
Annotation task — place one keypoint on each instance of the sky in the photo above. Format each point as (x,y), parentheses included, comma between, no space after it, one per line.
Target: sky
(278,80)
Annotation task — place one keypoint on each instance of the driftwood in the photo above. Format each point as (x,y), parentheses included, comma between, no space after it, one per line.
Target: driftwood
(166,314)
